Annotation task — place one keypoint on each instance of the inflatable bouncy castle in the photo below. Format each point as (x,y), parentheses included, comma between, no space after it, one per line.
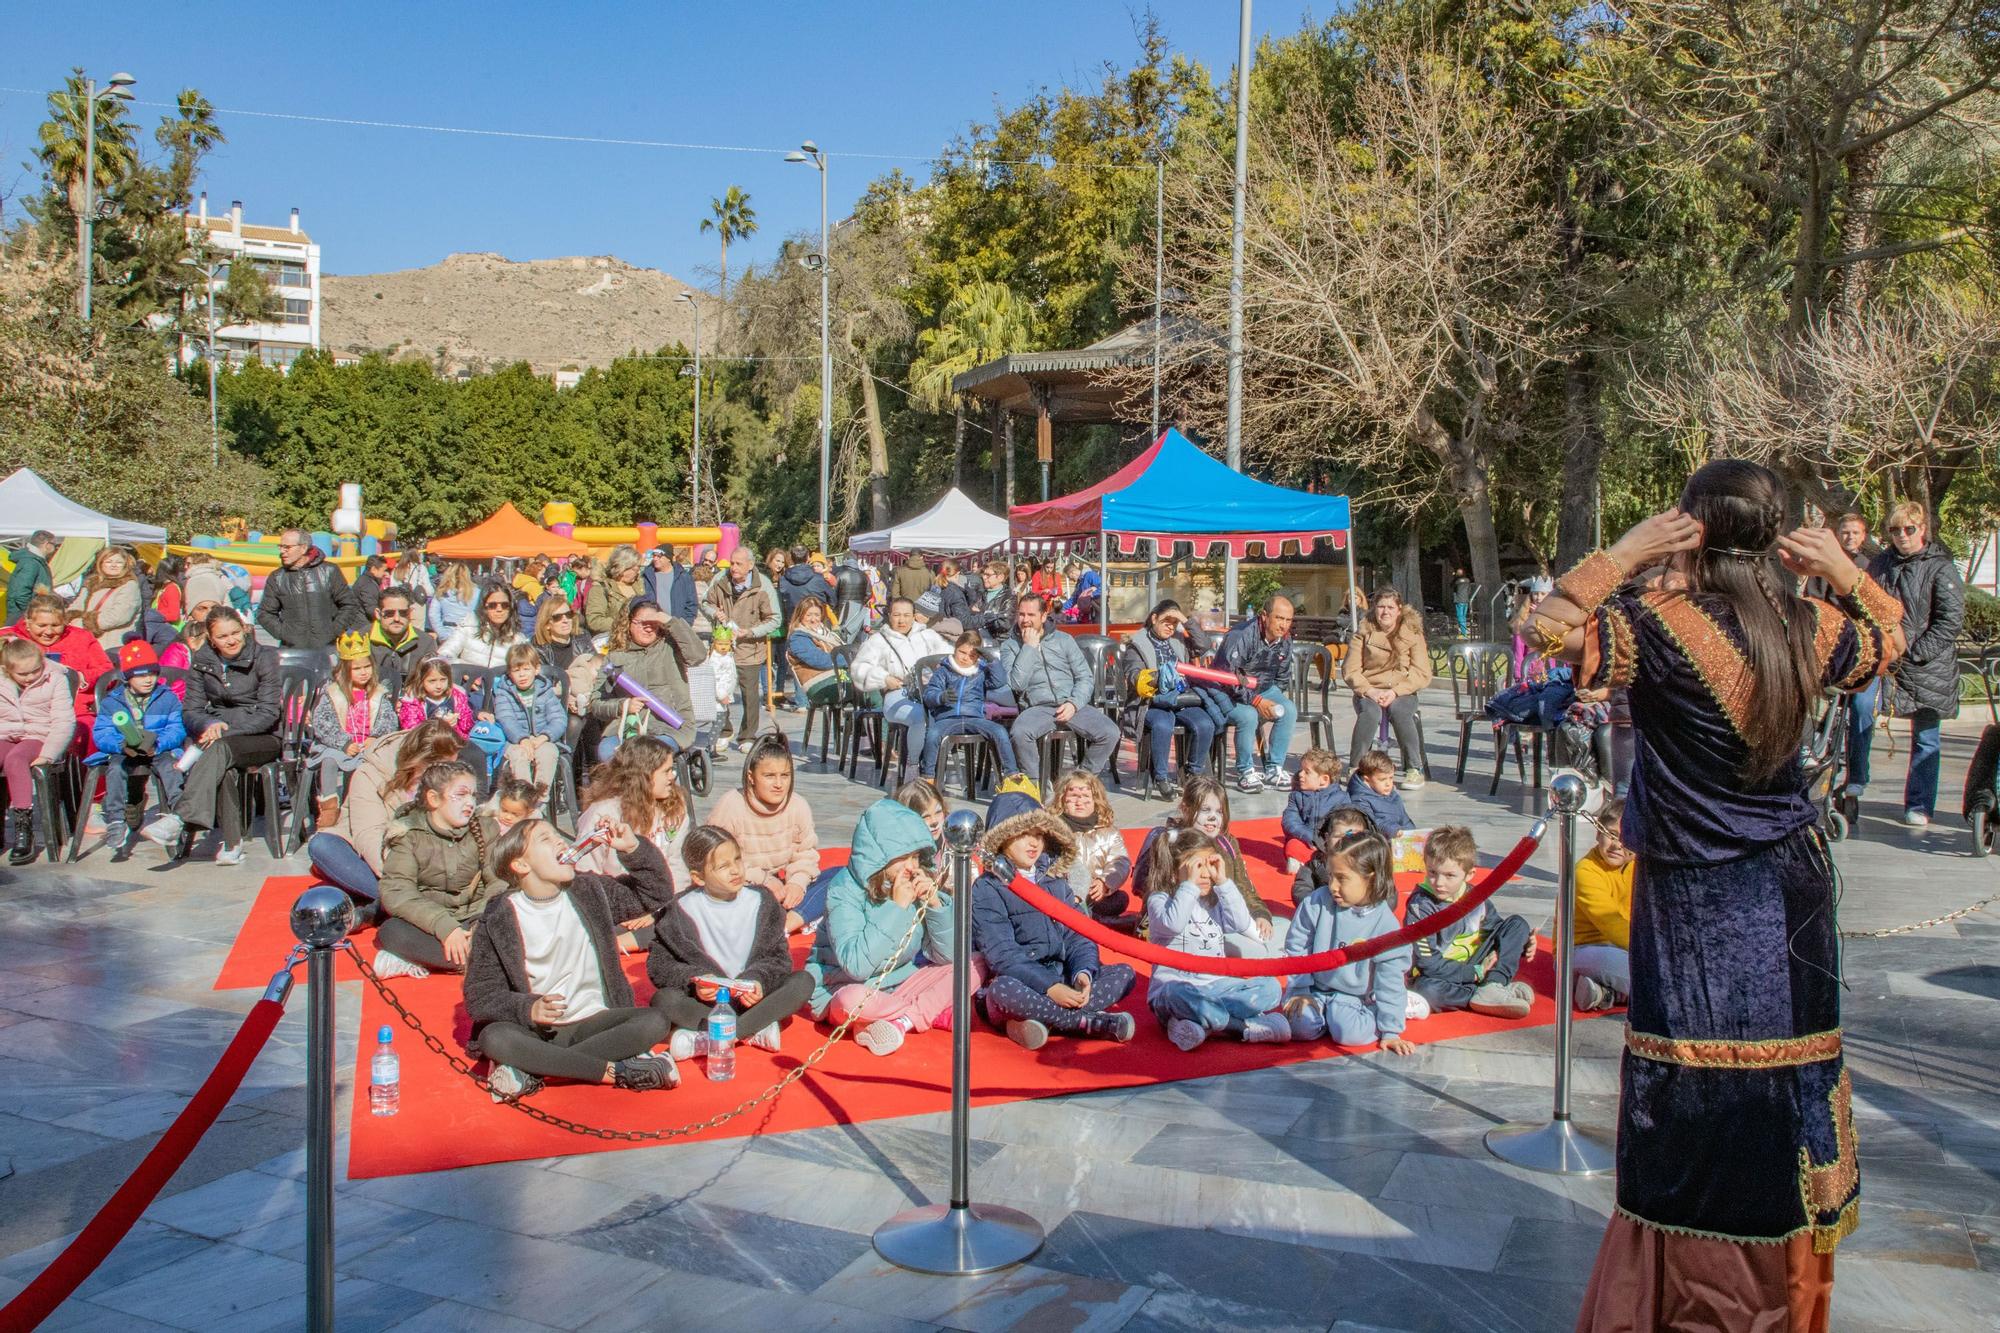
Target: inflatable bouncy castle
(560,518)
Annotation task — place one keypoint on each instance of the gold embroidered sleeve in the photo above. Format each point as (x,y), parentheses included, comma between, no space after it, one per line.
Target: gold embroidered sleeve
(1610,650)
(1871,602)
(1590,581)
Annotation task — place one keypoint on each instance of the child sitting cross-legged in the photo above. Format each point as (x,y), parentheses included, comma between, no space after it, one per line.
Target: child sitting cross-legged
(871,907)
(138,728)
(725,932)
(1470,965)
(1373,790)
(1046,977)
(1103,862)
(1336,826)
(1191,904)
(1361,1001)
(1204,808)
(543,987)
(434,879)
(1603,915)
(1316,793)
(775,828)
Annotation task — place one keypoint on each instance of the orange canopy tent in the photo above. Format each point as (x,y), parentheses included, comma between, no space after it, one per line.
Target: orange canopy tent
(508,534)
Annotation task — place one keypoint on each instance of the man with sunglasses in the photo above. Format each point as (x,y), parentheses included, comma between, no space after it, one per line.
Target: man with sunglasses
(1922,685)
(394,641)
(307,602)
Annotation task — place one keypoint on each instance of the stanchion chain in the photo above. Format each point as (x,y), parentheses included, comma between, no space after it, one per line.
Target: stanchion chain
(567,1125)
(1948,917)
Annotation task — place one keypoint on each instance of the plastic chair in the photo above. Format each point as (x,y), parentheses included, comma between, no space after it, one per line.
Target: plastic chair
(1477,672)
(832,709)
(977,757)
(478,684)
(1314,700)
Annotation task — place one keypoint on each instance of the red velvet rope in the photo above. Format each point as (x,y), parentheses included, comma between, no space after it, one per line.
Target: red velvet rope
(80,1259)
(1145,950)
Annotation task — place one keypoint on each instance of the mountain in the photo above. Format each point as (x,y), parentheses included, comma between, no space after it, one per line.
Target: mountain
(484,311)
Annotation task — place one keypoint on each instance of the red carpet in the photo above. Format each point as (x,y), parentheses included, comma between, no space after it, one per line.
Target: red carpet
(446,1121)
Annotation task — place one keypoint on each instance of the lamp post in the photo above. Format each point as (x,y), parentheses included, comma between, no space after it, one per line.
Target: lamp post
(810,152)
(116,87)
(1235,429)
(214,430)
(694,500)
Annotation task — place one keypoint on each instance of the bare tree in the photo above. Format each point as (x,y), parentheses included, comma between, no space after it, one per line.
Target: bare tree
(1909,391)
(1401,287)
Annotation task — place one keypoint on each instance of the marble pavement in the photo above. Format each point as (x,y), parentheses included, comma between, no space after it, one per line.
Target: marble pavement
(1346,1194)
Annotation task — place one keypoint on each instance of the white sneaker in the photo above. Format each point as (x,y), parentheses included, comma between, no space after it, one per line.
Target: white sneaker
(1916,818)
(229,856)
(1416,1007)
(1589,996)
(394,965)
(766,1038)
(1413,779)
(1276,776)
(1267,1028)
(687,1044)
(880,1037)
(1249,780)
(1185,1033)
(508,1084)
(164,830)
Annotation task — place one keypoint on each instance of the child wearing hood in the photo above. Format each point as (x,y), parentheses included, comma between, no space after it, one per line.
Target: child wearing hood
(1046,977)
(871,905)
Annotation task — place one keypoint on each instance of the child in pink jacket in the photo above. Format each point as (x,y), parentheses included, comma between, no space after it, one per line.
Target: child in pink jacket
(37,719)
(429,693)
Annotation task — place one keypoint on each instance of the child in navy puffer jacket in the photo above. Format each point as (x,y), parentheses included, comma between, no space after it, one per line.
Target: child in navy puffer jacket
(955,702)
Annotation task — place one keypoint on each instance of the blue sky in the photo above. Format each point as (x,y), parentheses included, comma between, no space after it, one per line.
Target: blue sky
(895,76)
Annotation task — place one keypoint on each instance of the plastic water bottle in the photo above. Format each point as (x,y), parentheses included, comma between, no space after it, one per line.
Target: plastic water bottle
(721,1038)
(385,1075)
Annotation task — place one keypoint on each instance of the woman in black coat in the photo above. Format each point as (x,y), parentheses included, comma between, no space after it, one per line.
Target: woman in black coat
(1923,686)
(232,711)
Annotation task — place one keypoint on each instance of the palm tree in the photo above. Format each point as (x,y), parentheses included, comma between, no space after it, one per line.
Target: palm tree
(188,136)
(62,144)
(732,220)
(980,322)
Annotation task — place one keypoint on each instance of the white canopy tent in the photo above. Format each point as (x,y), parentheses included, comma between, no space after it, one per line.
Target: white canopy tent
(29,504)
(952,525)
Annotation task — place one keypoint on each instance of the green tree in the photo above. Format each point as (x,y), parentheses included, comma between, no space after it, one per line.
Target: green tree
(62,140)
(731,219)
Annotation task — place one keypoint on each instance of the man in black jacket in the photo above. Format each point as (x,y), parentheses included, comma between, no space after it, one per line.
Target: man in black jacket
(307,603)
(994,616)
(1923,684)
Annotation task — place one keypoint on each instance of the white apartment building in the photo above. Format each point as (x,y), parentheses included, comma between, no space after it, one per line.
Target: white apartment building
(288,261)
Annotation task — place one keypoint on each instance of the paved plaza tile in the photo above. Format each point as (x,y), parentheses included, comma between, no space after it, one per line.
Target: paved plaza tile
(1345,1194)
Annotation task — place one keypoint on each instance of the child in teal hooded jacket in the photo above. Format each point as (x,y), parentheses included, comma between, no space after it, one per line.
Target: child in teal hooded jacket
(871,906)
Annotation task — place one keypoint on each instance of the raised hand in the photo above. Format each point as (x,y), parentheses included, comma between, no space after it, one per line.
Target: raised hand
(1652,540)
(1816,553)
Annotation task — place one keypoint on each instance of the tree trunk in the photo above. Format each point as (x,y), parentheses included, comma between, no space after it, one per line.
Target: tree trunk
(957,444)
(1407,569)
(1007,450)
(993,449)
(878,449)
(1809,251)
(1466,470)
(1583,461)
(722,290)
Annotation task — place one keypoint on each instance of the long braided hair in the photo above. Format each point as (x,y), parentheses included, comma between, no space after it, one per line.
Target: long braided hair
(1742,511)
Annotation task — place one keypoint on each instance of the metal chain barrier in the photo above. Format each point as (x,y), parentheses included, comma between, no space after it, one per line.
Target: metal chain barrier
(569,1126)
(1948,917)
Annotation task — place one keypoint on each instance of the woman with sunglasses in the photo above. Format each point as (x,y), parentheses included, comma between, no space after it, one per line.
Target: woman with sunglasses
(495,627)
(556,637)
(657,651)
(1918,571)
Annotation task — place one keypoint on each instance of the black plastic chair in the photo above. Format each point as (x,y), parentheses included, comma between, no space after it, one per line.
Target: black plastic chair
(977,759)
(143,778)
(832,710)
(1314,699)
(1477,671)
(478,684)
(298,692)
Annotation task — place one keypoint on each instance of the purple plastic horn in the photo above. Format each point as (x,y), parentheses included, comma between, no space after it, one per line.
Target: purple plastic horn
(645,696)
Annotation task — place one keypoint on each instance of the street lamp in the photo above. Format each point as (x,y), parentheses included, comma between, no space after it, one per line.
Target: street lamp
(115,88)
(810,152)
(210,272)
(694,500)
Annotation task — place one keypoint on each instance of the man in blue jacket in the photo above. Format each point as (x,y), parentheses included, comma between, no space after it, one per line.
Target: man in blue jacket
(670,585)
(1053,685)
(1261,647)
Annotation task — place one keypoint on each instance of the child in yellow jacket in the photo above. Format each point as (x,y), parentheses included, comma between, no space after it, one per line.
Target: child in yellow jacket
(1604,916)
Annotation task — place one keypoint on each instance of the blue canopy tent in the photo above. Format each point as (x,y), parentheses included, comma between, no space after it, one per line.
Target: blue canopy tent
(1175,493)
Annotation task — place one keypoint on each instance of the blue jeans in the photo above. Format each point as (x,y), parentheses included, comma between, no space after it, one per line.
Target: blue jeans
(1926,748)
(941,727)
(1860,735)
(812,907)
(1220,1006)
(1461,608)
(116,784)
(902,708)
(1160,724)
(1243,722)
(335,857)
(1350,1020)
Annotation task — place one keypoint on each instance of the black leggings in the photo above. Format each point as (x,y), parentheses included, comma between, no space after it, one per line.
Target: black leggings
(578,1050)
(685,1011)
(412,945)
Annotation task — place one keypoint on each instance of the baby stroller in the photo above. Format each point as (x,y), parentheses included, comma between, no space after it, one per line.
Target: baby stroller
(1824,757)
(1982,776)
(693,761)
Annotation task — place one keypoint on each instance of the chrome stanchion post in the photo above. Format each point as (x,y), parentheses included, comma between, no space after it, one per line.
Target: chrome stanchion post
(1561,1146)
(321,919)
(961,1238)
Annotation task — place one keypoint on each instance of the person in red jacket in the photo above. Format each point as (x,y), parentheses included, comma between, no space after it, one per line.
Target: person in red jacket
(47,625)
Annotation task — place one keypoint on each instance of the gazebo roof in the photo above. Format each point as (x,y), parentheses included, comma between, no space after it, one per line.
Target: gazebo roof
(1073,379)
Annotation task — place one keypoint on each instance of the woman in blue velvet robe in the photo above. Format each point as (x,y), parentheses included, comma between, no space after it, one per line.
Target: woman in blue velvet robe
(1736,1156)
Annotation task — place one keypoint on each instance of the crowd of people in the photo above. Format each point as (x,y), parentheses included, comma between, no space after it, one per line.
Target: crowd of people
(446,705)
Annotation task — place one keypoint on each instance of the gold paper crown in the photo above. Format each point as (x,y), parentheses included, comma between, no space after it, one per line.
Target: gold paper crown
(351,646)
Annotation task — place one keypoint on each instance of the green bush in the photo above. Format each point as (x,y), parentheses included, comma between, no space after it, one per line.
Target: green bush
(1982,617)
